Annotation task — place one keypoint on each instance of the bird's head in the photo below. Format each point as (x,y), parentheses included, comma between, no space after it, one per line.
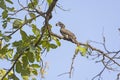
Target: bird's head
(60,24)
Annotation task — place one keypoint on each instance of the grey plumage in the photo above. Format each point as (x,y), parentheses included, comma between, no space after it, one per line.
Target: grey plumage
(66,33)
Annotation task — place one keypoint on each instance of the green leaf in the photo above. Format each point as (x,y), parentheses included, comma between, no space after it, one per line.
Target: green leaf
(17,23)
(35,30)
(35,66)
(53,46)
(7,38)
(45,43)
(32,49)
(4,25)
(18,67)
(0,44)
(49,2)
(32,15)
(11,9)
(4,14)
(24,35)
(16,43)
(5,78)
(30,57)
(2,4)
(25,61)
(38,57)
(9,1)
(13,77)
(31,6)
(35,2)
(1,33)
(25,72)
(10,53)
(57,41)
(25,77)
(35,72)
(4,50)
(2,72)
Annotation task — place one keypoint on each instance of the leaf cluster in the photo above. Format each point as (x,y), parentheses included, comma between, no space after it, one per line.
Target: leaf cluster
(24,53)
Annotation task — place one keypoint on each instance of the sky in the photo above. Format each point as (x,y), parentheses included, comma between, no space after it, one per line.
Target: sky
(87,19)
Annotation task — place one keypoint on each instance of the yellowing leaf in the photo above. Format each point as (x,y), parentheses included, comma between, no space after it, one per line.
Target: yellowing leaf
(83,50)
(2,72)
(42,71)
(76,50)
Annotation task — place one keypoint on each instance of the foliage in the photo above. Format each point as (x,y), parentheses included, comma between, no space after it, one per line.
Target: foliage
(25,53)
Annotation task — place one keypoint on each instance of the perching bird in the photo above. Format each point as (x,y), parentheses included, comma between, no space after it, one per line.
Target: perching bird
(66,33)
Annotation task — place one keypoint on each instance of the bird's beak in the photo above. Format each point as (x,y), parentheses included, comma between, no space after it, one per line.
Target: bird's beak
(57,24)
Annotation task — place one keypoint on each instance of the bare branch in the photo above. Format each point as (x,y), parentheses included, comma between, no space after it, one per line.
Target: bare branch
(107,60)
(99,75)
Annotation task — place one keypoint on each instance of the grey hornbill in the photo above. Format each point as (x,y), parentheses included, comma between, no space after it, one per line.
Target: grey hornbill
(66,33)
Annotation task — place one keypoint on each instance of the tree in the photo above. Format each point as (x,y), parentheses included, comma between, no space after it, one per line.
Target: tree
(25,54)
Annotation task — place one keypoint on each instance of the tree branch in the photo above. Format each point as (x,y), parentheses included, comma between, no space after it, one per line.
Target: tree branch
(21,53)
(47,18)
(104,54)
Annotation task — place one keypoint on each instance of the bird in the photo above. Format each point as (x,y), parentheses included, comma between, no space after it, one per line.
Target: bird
(66,33)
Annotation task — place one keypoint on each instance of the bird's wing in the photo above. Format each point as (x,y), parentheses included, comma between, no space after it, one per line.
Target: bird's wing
(67,32)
